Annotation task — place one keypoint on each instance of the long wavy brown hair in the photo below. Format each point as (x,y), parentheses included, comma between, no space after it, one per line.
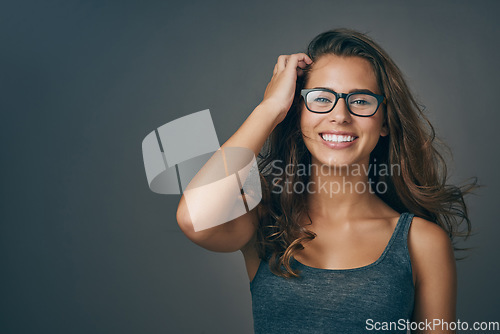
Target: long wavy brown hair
(420,188)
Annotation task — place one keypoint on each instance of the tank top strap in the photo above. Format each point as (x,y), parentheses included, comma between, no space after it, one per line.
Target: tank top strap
(403,226)
(400,233)
(398,248)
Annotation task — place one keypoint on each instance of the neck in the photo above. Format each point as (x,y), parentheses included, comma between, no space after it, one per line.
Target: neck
(340,191)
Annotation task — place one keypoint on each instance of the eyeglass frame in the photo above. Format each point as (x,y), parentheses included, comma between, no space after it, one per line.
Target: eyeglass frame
(380,99)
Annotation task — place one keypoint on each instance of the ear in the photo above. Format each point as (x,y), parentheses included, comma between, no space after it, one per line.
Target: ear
(384,131)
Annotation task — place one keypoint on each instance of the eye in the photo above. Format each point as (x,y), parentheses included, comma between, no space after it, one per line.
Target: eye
(360,102)
(320,99)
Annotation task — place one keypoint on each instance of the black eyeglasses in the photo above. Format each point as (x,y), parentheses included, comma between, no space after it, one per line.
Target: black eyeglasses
(322,101)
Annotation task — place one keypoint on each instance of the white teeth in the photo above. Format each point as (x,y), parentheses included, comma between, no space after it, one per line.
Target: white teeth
(337,138)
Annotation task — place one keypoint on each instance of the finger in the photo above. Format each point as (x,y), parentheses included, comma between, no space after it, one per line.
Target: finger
(302,64)
(305,58)
(301,61)
(282,62)
(302,68)
(293,62)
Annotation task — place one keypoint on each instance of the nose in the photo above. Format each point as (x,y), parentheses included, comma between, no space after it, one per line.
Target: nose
(340,114)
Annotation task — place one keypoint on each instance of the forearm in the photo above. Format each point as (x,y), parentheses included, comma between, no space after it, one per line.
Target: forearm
(255,130)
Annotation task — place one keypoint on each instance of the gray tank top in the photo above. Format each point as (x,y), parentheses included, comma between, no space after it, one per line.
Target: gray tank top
(338,300)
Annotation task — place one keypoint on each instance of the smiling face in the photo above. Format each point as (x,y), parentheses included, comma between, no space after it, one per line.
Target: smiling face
(339,138)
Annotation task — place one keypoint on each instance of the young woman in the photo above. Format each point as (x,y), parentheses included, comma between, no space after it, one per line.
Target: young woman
(354,231)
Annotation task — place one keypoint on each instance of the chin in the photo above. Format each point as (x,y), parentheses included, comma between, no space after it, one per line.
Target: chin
(334,161)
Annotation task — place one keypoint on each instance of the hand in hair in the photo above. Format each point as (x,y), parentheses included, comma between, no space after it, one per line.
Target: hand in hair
(280,91)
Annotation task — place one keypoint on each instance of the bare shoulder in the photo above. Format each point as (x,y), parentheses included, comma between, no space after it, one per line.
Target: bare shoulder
(427,235)
(430,249)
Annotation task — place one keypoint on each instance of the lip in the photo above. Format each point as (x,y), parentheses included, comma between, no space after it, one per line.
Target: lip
(338,133)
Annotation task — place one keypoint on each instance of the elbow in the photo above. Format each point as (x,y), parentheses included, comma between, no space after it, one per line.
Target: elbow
(183,218)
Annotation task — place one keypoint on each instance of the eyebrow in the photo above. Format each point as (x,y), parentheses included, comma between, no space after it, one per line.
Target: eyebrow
(355,90)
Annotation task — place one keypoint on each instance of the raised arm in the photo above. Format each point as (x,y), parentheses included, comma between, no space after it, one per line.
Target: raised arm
(278,97)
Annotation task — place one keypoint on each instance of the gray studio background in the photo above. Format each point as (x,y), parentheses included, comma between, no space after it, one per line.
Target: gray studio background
(86,247)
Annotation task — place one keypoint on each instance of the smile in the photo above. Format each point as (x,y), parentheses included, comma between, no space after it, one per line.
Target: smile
(337,138)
